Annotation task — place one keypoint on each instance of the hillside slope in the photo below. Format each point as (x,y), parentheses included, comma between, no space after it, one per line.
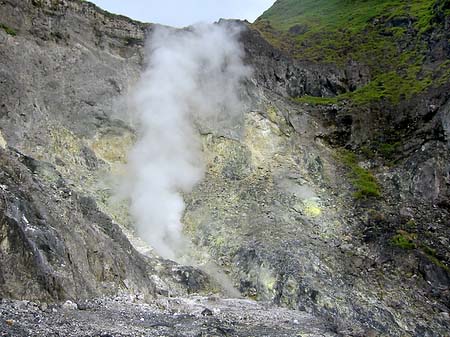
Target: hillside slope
(403,43)
(394,121)
(332,207)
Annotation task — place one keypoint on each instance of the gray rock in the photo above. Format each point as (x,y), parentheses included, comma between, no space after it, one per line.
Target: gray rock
(69,305)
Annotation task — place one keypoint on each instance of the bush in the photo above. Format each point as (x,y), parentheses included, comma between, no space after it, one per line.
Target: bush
(404,240)
(365,184)
(8,30)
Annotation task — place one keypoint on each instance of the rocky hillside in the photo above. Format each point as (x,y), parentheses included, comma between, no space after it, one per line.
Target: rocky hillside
(399,48)
(388,124)
(332,200)
(395,117)
(64,67)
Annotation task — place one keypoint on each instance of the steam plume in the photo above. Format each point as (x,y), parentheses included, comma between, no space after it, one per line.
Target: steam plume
(193,75)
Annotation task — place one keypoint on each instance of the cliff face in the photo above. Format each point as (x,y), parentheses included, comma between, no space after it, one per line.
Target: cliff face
(65,66)
(310,207)
(60,71)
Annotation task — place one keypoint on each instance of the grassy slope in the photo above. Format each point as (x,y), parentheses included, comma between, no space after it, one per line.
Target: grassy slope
(371,32)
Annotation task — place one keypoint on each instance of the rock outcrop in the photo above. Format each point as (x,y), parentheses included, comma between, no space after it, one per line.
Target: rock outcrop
(56,244)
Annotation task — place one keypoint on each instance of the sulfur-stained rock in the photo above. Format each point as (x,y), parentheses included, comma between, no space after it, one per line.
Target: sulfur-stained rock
(276,211)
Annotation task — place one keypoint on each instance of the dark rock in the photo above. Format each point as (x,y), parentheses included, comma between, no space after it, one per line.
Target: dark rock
(279,73)
(193,279)
(404,22)
(207,312)
(437,275)
(91,160)
(298,29)
(72,252)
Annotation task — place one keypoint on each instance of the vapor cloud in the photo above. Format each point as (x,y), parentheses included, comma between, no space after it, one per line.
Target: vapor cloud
(193,75)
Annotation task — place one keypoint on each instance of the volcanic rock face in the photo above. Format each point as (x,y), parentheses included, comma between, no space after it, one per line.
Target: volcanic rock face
(56,244)
(276,210)
(61,80)
(61,76)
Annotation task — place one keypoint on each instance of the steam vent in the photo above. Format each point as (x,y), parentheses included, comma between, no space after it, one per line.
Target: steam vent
(286,177)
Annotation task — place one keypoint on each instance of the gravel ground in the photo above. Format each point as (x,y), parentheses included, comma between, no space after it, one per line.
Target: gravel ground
(122,316)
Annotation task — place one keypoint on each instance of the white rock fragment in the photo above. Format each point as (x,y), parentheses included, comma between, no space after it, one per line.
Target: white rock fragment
(25,219)
(2,141)
(69,305)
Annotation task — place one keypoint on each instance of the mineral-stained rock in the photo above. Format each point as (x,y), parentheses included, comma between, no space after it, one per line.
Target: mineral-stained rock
(276,211)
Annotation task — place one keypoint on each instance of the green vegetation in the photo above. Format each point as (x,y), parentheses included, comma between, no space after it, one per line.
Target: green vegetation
(8,30)
(338,30)
(429,251)
(437,262)
(411,224)
(432,256)
(390,86)
(408,241)
(385,35)
(325,15)
(387,150)
(383,149)
(404,240)
(365,184)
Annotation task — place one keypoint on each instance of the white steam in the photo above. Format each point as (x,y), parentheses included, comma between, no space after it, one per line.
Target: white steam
(193,75)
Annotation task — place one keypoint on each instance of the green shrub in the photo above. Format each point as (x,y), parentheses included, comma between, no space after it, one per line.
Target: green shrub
(387,150)
(404,240)
(411,224)
(438,262)
(8,30)
(365,184)
(429,251)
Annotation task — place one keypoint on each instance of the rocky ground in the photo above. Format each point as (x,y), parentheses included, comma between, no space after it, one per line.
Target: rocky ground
(188,317)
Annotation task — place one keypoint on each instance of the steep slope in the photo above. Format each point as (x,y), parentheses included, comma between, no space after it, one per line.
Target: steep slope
(357,236)
(61,74)
(296,222)
(393,125)
(66,68)
(56,244)
(401,45)
(397,120)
